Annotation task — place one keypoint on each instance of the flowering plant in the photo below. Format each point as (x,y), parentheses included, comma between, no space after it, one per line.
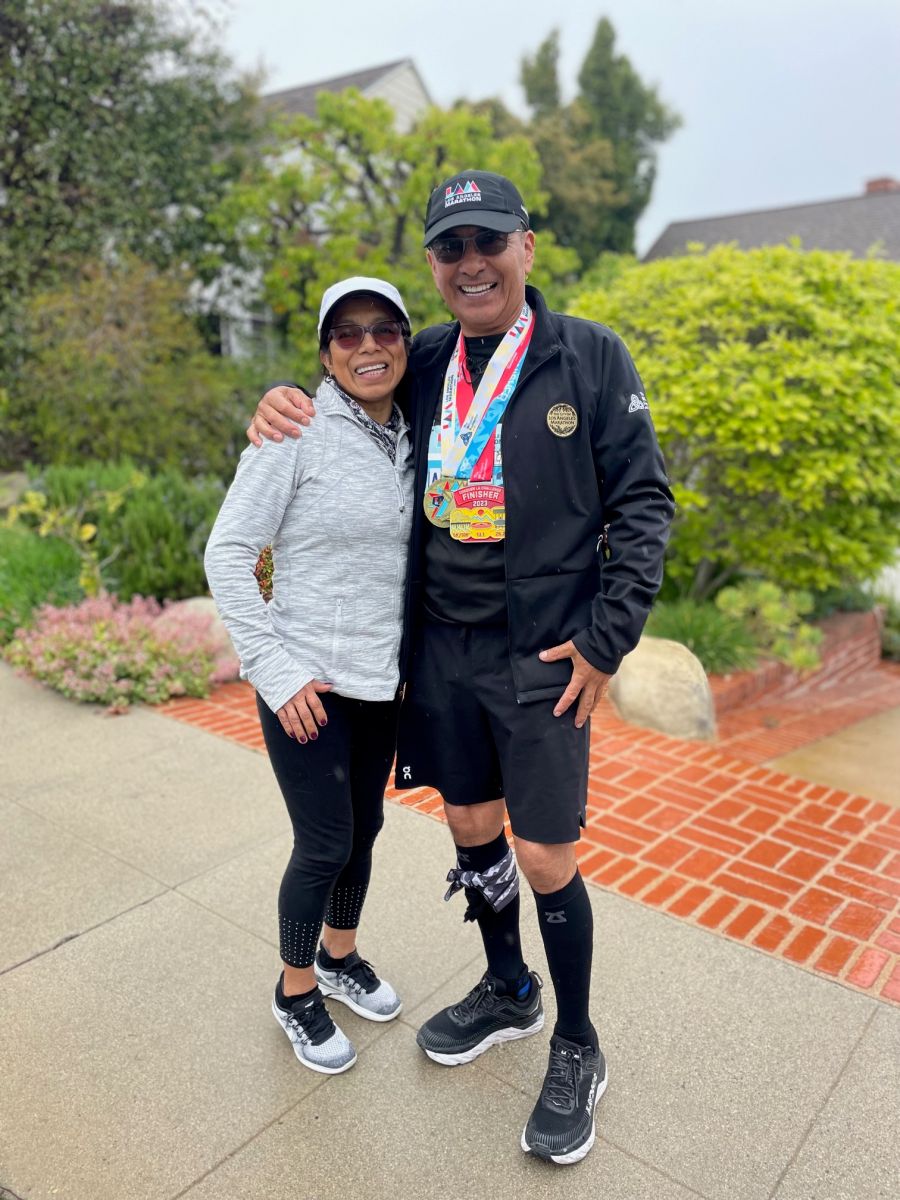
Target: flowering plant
(104,651)
(265,573)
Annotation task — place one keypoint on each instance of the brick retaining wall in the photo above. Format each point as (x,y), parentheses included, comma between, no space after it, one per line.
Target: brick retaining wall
(852,643)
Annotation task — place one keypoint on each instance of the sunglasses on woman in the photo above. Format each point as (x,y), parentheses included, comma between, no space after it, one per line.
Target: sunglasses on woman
(348,337)
(487,242)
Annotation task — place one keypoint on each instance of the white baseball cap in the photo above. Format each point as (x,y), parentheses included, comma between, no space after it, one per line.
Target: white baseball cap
(352,286)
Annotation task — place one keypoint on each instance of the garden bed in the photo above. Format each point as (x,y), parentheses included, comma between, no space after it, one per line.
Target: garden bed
(852,642)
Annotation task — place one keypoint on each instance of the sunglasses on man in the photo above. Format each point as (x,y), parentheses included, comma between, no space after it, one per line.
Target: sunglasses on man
(487,242)
(348,337)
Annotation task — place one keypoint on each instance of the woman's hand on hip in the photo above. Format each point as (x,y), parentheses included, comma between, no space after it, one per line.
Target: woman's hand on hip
(303,713)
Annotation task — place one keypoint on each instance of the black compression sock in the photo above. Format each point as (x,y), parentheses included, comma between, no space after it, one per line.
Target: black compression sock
(567,928)
(499,930)
(480,858)
(284,1001)
(330,963)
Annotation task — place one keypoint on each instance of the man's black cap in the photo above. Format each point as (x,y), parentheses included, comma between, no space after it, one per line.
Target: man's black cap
(475,198)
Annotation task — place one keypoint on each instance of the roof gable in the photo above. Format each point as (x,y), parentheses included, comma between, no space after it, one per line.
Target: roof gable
(303,99)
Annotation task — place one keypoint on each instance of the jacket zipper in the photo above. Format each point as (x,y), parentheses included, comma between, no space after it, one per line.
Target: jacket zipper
(402,502)
(535,367)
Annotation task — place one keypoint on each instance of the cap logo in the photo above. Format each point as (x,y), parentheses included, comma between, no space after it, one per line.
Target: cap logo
(461,193)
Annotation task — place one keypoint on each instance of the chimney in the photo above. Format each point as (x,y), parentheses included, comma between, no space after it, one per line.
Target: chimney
(884,184)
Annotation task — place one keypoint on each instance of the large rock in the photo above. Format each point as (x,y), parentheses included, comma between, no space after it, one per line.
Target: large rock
(661,685)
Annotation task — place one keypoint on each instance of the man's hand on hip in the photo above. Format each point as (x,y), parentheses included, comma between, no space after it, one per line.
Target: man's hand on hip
(278,413)
(587,684)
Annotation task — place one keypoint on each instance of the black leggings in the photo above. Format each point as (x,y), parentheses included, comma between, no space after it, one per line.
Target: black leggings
(334,791)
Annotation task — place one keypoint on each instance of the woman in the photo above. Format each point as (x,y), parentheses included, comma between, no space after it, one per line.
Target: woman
(323,656)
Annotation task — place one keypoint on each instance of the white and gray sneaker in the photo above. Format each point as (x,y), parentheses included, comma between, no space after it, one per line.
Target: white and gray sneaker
(356,985)
(318,1042)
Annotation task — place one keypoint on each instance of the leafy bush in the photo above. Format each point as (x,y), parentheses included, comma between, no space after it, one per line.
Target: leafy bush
(117,369)
(774,377)
(33,571)
(843,599)
(721,642)
(153,542)
(890,632)
(105,652)
(68,524)
(774,619)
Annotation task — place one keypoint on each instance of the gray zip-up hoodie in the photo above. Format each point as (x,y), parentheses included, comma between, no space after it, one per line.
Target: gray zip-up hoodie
(338,515)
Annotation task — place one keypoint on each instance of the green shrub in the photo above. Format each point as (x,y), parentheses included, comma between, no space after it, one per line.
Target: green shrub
(842,599)
(722,643)
(33,571)
(117,369)
(774,619)
(153,543)
(774,380)
(71,523)
(890,633)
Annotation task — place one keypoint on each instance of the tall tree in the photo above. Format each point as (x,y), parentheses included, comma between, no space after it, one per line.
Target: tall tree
(540,77)
(630,115)
(598,152)
(122,124)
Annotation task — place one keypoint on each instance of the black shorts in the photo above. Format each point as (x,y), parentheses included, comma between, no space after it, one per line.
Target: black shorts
(463,732)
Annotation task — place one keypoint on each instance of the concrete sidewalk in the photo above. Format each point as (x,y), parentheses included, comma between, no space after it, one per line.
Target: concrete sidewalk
(864,758)
(138,877)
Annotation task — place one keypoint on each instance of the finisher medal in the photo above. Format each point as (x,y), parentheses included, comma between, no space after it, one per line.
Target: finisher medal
(439,501)
(465,493)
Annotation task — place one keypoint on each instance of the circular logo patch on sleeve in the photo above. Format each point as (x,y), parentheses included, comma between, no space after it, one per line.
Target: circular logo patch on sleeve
(562,420)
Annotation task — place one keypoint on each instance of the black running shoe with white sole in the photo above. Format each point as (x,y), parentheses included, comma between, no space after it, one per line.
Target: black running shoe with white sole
(561,1126)
(482,1019)
(355,984)
(318,1043)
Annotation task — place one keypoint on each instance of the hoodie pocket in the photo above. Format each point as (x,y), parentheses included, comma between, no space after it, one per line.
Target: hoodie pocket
(343,637)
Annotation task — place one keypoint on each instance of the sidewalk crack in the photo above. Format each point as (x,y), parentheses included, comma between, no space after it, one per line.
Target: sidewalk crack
(825,1101)
(70,937)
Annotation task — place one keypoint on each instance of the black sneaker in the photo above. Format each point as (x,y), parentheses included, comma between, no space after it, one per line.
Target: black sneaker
(483,1019)
(561,1126)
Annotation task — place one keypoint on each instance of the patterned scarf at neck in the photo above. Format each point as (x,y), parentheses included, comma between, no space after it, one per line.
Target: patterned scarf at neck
(384,435)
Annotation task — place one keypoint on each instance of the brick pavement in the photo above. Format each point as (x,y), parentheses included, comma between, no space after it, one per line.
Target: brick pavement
(710,835)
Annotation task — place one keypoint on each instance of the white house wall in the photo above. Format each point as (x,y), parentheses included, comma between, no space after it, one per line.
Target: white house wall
(403,90)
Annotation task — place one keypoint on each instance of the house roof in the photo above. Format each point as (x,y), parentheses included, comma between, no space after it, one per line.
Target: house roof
(856,224)
(303,99)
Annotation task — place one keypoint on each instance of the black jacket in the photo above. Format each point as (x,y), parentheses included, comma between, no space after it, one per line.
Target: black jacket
(561,491)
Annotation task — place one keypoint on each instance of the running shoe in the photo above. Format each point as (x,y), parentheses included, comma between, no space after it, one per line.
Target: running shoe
(318,1042)
(561,1127)
(482,1019)
(356,985)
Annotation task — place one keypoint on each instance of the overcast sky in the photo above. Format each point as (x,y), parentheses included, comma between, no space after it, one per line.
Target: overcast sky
(783,101)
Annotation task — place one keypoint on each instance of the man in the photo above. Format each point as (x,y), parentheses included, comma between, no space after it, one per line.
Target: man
(542,511)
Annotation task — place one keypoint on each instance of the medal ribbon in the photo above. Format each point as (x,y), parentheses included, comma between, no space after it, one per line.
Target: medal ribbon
(462,446)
